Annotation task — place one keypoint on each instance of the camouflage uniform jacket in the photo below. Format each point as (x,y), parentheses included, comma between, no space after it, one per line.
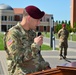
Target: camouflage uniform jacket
(63,35)
(23,53)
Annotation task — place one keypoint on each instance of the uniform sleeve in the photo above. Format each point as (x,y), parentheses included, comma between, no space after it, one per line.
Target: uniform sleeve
(15,47)
(59,33)
(35,49)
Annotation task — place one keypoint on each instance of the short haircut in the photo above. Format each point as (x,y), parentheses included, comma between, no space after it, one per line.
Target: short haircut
(24,13)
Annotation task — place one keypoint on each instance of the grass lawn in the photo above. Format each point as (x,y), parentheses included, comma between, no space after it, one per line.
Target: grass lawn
(45,47)
(1,41)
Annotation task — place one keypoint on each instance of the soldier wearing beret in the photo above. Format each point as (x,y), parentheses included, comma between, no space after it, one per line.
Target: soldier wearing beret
(23,46)
(63,41)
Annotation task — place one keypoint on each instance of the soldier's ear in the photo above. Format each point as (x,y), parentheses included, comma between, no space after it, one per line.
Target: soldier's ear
(28,18)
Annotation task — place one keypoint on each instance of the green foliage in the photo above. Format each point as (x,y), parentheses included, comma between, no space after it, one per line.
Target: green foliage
(59,26)
(74,29)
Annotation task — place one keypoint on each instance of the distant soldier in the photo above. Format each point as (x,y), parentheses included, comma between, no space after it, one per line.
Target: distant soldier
(23,46)
(63,41)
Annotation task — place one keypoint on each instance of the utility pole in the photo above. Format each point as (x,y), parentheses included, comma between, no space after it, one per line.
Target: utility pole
(52,38)
(51,31)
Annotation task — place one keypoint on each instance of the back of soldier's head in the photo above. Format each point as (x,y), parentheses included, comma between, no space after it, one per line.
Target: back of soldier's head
(63,25)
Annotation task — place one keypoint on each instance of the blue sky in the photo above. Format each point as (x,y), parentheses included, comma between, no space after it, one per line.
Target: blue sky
(59,8)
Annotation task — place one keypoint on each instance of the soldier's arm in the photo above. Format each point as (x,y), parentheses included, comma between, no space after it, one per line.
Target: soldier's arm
(16,48)
(35,48)
(59,33)
(36,52)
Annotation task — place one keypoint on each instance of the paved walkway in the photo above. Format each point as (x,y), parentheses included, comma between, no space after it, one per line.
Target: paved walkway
(51,56)
(3,64)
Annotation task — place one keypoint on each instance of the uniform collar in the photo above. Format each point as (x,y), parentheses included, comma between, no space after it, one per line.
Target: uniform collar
(23,30)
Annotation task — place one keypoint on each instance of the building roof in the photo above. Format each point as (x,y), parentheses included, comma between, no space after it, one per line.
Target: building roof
(18,10)
(5,7)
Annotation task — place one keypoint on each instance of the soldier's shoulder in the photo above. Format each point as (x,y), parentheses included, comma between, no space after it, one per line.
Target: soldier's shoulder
(13,31)
(14,28)
(60,30)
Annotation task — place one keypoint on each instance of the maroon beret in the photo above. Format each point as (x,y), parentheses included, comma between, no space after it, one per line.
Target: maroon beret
(34,12)
(63,25)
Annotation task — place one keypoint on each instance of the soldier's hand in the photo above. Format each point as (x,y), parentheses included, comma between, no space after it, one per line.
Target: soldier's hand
(39,40)
(48,67)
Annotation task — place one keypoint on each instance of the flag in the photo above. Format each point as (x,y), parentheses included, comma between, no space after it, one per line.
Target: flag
(9,42)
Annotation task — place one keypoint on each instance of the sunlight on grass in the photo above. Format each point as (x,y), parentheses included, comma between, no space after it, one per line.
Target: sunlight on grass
(1,41)
(45,47)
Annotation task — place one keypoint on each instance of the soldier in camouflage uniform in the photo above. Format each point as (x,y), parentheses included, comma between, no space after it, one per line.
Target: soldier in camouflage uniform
(63,40)
(23,46)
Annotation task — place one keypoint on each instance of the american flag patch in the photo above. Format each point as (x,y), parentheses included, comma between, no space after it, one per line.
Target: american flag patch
(9,42)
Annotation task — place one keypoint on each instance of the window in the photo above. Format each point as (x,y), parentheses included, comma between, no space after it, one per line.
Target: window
(9,26)
(44,28)
(40,19)
(4,18)
(10,18)
(47,19)
(37,28)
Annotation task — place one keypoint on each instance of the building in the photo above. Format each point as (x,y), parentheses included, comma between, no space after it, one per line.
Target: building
(10,16)
(73,13)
